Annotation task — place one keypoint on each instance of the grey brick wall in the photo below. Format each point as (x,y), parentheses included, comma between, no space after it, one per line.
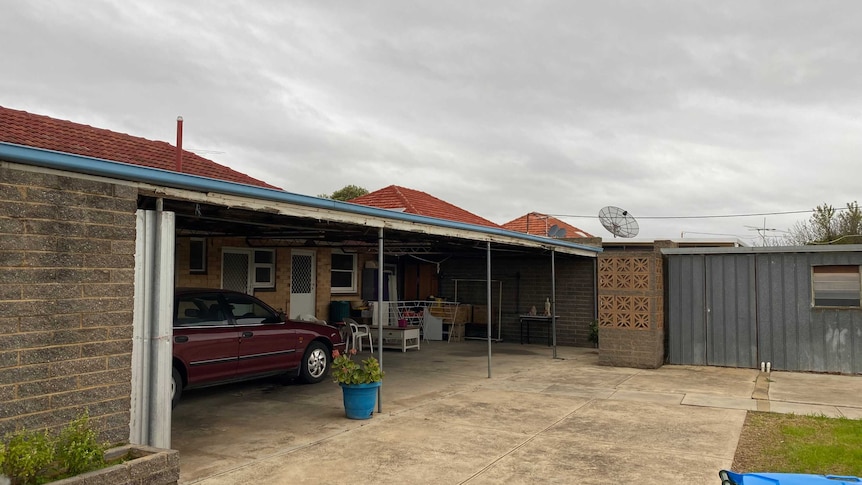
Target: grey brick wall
(66,297)
(526,281)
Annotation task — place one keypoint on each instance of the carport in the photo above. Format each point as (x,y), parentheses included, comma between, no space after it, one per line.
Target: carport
(271,218)
(173,205)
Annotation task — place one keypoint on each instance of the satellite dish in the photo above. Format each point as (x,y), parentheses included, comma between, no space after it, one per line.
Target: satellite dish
(619,222)
(557,232)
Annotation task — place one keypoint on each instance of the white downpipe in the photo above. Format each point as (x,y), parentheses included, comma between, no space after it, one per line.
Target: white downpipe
(150,422)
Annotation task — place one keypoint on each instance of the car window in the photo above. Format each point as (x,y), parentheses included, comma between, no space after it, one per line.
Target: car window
(198,310)
(247,311)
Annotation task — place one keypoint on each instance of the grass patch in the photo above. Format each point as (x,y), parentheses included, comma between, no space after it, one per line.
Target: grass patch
(789,443)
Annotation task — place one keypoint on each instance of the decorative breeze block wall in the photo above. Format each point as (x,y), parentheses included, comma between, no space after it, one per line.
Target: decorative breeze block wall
(631,308)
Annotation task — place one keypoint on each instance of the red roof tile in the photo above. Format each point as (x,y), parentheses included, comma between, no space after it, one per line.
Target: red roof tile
(538,224)
(416,202)
(23,128)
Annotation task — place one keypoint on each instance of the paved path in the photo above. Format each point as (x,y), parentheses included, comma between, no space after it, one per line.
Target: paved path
(537,420)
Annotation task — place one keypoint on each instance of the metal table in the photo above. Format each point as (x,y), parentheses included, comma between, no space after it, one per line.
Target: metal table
(527,320)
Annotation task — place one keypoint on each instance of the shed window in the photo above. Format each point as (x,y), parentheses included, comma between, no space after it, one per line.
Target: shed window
(836,285)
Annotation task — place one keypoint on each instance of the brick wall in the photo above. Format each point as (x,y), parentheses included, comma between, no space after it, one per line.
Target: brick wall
(66,299)
(278,297)
(526,282)
(631,308)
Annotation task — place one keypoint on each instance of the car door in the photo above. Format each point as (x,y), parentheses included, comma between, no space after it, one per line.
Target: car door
(266,343)
(205,339)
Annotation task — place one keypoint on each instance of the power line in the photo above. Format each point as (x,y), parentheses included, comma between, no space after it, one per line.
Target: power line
(712,216)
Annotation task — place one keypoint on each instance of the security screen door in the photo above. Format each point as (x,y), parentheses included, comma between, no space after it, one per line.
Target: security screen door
(235,270)
(302,283)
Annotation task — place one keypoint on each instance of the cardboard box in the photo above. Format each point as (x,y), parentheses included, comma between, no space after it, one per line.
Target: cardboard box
(464,313)
(480,314)
(451,313)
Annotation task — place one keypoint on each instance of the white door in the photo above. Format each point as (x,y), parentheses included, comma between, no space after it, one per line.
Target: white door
(302,283)
(235,270)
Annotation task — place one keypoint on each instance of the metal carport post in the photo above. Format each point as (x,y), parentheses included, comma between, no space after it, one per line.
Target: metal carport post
(380,314)
(489,306)
(553,303)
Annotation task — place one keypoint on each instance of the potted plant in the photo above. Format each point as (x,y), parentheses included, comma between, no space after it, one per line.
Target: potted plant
(594,333)
(359,383)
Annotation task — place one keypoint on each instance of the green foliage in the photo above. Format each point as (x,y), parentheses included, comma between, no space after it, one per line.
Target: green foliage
(30,457)
(346,371)
(78,448)
(346,193)
(27,455)
(828,225)
(594,332)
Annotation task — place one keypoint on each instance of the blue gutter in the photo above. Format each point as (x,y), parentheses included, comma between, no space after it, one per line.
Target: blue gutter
(166,178)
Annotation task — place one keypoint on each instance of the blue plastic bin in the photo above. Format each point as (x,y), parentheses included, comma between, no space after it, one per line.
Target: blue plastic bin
(731,478)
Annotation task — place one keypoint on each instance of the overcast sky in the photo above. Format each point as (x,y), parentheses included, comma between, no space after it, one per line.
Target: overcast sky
(686,108)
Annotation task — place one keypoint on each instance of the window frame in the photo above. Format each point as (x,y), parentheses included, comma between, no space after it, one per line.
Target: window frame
(203,256)
(353,288)
(270,284)
(838,269)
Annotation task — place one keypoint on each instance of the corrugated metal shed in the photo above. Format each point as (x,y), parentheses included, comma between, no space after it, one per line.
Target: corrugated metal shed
(739,307)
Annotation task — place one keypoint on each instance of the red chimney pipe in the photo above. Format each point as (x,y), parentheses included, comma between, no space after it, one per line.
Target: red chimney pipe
(179,143)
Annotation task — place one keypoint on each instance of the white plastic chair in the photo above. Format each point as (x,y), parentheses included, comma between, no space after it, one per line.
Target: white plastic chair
(356,332)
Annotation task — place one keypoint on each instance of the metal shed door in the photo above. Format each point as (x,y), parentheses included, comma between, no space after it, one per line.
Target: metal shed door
(712,310)
(731,311)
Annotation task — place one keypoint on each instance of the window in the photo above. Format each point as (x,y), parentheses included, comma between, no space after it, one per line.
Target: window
(264,268)
(836,286)
(246,311)
(343,279)
(199,311)
(197,255)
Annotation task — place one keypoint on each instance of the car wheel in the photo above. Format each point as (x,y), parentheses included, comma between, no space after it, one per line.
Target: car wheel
(315,363)
(176,387)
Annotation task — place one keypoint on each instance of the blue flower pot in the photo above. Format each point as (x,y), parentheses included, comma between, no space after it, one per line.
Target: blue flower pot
(359,399)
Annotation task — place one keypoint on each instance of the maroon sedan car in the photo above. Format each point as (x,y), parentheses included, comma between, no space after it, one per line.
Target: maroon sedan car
(224,336)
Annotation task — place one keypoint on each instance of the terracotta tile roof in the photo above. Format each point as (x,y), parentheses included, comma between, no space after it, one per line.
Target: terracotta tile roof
(416,202)
(538,224)
(23,128)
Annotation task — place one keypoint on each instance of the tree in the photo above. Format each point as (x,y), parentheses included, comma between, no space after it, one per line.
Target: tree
(346,193)
(828,225)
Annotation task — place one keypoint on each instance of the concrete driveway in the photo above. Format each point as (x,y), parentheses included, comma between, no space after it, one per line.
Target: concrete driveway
(537,419)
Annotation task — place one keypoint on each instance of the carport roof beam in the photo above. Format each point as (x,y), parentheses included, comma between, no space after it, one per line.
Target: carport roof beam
(324,209)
